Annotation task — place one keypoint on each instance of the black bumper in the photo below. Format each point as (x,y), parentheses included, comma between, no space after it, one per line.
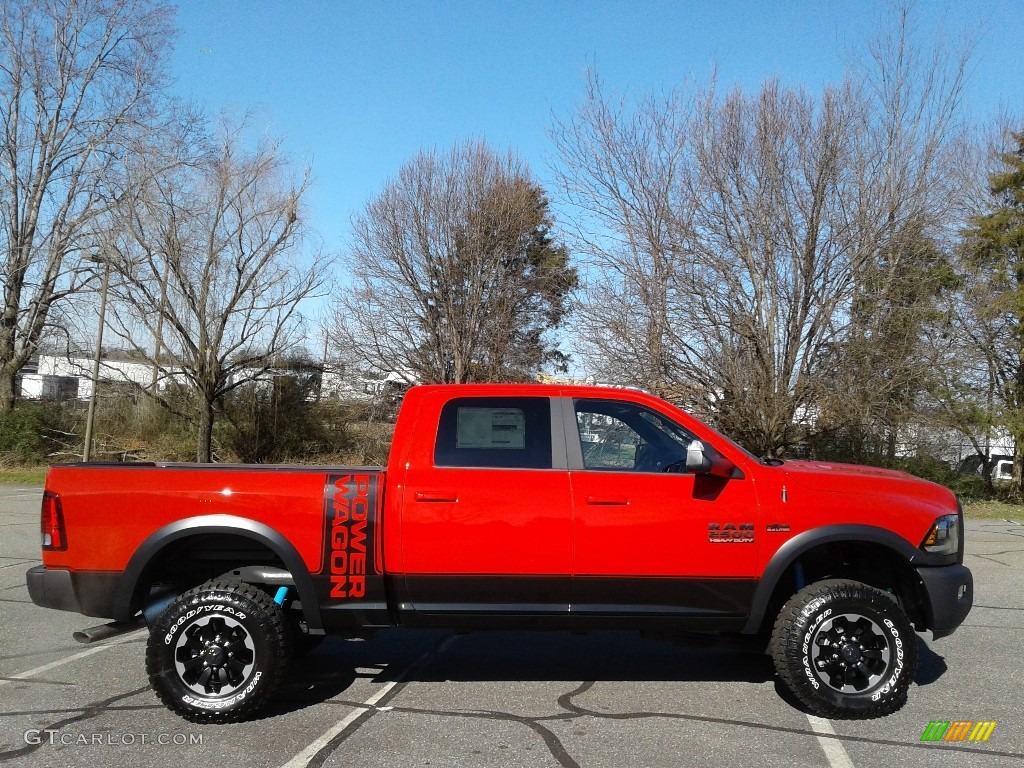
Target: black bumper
(950,595)
(87,592)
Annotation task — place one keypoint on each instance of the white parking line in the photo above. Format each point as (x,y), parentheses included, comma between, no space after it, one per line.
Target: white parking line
(834,750)
(302,759)
(61,662)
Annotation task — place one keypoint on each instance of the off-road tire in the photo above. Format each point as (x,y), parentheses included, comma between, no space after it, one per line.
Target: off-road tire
(218,652)
(846,650)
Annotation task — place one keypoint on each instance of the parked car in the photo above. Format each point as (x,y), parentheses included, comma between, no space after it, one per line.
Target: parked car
(975,464)
(1002,472)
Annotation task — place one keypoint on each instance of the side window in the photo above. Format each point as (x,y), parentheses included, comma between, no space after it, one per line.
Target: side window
(509,432)
(617,436)
(608,442)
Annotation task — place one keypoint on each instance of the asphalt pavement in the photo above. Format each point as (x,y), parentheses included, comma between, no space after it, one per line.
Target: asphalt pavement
(602,700)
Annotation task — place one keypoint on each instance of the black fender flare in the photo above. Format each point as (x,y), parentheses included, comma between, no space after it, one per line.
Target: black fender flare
(791,551)
(240,526)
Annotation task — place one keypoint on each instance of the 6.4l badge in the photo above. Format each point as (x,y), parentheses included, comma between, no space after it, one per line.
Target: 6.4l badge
(731,533)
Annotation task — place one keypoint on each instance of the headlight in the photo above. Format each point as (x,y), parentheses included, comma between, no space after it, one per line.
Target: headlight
(943,537)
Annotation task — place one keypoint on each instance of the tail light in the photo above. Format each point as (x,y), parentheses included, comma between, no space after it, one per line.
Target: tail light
(54,535)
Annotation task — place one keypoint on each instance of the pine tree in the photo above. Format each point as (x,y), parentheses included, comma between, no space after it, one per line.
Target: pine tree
(995,248)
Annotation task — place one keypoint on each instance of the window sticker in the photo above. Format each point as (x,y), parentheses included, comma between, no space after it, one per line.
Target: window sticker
(491,428)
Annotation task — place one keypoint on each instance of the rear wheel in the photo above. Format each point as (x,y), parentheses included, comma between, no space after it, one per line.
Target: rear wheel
(845,649)
(218,652)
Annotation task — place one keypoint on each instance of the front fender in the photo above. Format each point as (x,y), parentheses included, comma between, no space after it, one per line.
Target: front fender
(791,551)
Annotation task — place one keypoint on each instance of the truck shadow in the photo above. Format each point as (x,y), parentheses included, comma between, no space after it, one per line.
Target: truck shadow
(439,656)
(930,666)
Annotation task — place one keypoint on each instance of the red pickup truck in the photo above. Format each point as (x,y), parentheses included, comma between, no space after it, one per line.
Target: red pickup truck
(512,506)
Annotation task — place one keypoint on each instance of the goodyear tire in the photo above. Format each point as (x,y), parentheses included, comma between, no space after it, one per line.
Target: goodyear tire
(846,650)
(218,652)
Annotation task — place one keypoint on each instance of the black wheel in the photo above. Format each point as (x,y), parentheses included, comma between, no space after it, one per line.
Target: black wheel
(845,649)
(218,652)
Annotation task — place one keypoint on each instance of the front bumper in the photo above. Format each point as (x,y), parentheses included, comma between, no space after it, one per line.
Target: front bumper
(949,594)
(87,592)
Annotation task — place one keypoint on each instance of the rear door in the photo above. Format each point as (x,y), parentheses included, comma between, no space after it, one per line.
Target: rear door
(487,511)
(651,539)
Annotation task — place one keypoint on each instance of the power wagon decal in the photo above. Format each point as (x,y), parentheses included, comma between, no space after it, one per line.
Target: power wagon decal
(352,573)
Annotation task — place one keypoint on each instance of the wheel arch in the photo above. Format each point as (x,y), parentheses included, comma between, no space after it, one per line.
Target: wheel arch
(870,545)
(134,586)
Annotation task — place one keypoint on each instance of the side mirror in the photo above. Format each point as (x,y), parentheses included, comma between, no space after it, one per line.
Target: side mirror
(697,460)
(702,460)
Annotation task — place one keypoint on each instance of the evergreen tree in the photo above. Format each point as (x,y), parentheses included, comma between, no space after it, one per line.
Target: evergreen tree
(994,244)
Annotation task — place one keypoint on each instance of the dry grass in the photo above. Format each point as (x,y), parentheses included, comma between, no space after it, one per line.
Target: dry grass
(993,510)
(22,475)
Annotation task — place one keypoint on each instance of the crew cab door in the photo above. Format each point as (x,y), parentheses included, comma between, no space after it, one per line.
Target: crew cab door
(486,511)
(649,538)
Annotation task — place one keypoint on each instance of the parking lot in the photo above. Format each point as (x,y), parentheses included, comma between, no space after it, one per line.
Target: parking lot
(609,699)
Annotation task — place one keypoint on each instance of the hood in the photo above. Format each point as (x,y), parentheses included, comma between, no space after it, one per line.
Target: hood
(843,478)
(823,475)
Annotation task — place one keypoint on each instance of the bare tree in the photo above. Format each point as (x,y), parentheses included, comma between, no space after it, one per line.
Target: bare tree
(730,235)
(628,176)
(209,266)
(455,275)
(906,150)
(77,84)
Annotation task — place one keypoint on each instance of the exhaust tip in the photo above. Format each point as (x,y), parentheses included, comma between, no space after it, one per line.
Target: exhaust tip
(104,631)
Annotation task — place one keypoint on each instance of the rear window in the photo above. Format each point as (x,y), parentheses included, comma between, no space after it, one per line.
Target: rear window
(501,432)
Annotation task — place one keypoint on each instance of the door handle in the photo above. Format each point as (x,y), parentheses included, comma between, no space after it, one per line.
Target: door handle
(436,496)
(600,501)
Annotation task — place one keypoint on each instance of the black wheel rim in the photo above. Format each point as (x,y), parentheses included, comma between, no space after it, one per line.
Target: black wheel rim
(850,653)
(214,656)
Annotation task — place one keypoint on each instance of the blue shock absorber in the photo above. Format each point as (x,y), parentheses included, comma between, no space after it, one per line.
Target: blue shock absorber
(282,593)
(798,574)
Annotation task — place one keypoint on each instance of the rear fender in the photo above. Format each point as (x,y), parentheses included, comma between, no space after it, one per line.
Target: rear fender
(130,596)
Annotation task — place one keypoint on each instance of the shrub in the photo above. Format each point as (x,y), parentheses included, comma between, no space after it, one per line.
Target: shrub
(26,433)
(965,486)
(279,423)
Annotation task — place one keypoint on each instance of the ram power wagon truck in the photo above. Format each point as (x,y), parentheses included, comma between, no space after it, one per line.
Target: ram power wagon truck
(525,506)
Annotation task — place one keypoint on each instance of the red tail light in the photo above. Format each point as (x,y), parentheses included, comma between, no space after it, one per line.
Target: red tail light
(54,537)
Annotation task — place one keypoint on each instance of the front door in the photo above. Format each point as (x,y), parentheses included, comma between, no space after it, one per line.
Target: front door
(649,538)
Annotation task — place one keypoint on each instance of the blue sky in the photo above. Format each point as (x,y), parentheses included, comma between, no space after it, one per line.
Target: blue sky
(357,88)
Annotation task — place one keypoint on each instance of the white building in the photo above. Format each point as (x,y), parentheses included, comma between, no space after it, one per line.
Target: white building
(67,378)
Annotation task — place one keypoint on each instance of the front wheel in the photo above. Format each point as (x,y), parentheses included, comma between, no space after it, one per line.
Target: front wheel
(845,649)
(218,652)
